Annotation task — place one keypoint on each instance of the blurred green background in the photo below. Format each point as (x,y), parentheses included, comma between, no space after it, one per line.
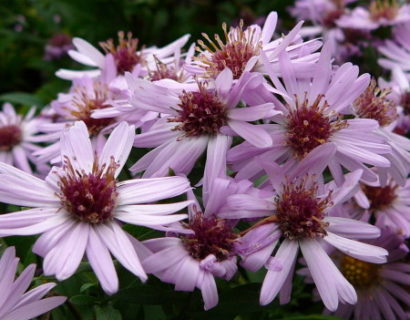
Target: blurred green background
(26,27)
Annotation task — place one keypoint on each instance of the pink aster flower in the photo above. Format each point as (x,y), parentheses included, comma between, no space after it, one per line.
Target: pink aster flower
(127,56)
(79,208)
(397,52)
(95,101)
(324,14)
(203,249)
(241,49)
(15,303)
(381,288)
(298,213)
(387,204)
(196,117)
(374,103)
(380,13)
(312,116)
(17,135)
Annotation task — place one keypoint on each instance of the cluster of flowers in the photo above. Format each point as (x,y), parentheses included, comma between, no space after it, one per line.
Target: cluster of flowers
(301,153)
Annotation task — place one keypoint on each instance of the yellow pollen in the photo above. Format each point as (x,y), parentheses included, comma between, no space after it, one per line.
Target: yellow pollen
(360,274)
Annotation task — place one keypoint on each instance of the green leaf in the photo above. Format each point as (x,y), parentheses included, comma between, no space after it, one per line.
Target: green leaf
(83,300)
(86,286)
(22,98)
(107,313)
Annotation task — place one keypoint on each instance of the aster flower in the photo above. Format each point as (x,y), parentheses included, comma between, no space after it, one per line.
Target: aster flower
(312,116)
(397,52)
(298,214)
(17,135)
(379,13)
(57,46)
(374,103)
(324,15)
(241,49)
(195,117)
(15,303)
(95,101)
(127,56)
(381,288)
(79,208)
(387,204)
(203,249)
(400,95)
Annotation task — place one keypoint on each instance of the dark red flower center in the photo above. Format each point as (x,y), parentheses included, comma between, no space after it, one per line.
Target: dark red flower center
(329,20)
(200,113)
(373,104)
(125,53)
(240,45)
(380,197)
(10,136)
(164,71)
(309,126)
(89,197)
(360,274)
(300,213)
(86,102)
(211,236)
(405,102)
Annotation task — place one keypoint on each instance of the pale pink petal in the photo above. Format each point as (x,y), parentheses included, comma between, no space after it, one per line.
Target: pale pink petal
(356,249)
(36,228)
(118,146)
(269,27)
(275,279)
(223,82)
(35,309)
(254,134)
(64,259)
(101,262)
(89,51)
(76,146)
(319,266)
(209,291)
(187,275)
(253,113)
(151,189)
(116,240)
(350,228)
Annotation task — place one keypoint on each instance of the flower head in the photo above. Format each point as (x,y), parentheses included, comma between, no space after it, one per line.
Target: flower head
(15,303)
(80,207)
(17,135)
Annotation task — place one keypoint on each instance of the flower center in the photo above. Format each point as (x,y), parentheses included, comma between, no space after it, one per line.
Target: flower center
(383,9)
(329,20)
(373,104)
(200,113)
(212,236)
(311,126)
(89,197)
(380,197)
(125,53)
(405,102)
(164,71)
(240,45)
(10,136)
(360,274)
(86,101)
(300,212)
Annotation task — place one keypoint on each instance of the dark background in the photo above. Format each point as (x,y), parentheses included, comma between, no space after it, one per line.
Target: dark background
(27,25)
